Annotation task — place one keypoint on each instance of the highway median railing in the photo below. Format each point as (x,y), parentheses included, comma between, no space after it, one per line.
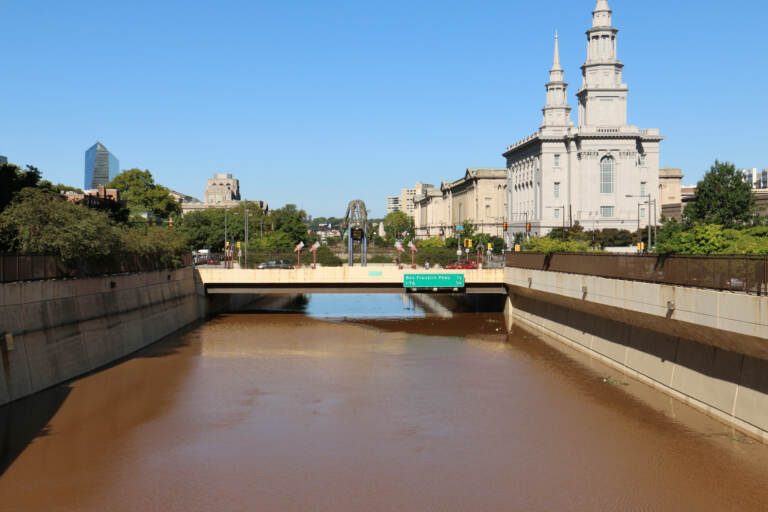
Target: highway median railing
(36,267)
(748,274)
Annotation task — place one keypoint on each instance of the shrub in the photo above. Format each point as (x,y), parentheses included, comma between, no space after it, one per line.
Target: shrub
(549,246)
(326,258)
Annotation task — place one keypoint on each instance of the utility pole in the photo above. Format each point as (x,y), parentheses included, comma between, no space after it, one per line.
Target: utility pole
(649,223)
(246,232)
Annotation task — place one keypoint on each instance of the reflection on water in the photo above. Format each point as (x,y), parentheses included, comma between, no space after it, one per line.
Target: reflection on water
(373,305)
(395,408)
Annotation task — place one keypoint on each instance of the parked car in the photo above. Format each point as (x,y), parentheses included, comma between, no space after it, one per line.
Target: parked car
(276,264)
(464,265)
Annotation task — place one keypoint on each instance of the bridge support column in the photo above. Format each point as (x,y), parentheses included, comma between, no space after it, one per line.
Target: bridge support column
(509,311)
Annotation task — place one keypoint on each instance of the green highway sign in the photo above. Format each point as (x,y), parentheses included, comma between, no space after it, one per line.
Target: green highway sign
(433,281)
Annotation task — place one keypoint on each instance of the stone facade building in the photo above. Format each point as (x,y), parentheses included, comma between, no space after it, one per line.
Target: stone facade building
(565,174)
(221,191)
(222,188)
(478,198)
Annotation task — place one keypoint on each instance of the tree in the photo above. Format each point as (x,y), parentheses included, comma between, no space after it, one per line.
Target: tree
(723,198)
(397,223)
(290,221)
(497,243)
(611,237)
(144,196)
(41,222)
(674,238)
(205,229)
(13,180)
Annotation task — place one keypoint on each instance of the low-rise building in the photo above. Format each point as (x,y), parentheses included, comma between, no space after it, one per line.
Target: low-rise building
(100,198)
(670,193)
(478,198)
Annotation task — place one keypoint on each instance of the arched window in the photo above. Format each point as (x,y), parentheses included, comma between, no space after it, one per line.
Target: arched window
(607,175)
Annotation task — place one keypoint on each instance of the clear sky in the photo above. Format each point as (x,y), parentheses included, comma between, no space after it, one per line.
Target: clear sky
(318,103)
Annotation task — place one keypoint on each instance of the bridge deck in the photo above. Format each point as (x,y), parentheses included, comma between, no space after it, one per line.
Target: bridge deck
(370,279)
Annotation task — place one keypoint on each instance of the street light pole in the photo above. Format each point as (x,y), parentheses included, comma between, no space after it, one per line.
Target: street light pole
(649,223)
(246,233)
(644,196)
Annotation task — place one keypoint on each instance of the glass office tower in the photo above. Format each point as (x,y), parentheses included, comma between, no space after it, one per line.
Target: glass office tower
(3,159)
(101,166)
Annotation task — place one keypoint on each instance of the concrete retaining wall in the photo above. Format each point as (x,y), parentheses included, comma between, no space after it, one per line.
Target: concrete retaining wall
(725,376)
(53,331)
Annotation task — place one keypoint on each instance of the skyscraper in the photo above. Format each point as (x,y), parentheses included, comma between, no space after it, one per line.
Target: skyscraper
(101,166)
(3,159)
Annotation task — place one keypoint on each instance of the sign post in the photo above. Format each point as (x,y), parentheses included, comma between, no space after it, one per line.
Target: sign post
(399,247)
(315,246)
(413,254)
(297,250)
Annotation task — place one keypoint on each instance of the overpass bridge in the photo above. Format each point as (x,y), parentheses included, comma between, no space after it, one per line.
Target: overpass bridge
(370,279)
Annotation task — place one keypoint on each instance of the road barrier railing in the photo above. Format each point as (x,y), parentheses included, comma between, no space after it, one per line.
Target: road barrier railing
(36,267)
(738,273)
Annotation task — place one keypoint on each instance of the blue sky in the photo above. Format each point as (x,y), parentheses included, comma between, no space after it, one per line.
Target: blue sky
(319,103)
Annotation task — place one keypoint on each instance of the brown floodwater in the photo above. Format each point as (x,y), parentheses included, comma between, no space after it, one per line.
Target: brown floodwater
(287,412)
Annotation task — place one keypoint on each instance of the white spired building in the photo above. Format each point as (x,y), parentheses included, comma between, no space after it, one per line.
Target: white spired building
(565,174)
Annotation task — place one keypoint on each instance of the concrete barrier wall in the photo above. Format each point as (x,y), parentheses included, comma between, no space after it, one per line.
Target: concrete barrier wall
(725,376)
(53,331)
(372,274)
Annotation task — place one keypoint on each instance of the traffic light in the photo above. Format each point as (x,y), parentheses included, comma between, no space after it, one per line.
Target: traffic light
(470,243)
(464,242)
(505,226)
(237,244)
(528,227)
(490,246)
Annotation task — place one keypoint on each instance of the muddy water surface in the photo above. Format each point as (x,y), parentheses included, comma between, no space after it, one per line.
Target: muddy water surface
(404,411)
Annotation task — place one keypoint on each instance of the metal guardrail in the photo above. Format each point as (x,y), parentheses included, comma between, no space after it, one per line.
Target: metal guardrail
(747,274)
(36,267)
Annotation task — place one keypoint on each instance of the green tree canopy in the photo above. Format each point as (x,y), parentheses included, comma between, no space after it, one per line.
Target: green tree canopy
(397,223)
(13,180)
(291,221)
(41,222)
(722,198)
(144,196)
(205,229)
(675,238)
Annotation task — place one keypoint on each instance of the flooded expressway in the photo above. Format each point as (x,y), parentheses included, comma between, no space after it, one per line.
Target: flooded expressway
(367,403)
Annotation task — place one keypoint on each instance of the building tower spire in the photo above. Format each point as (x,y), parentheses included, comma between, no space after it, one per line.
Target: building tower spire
(557,112)
(601,16)
(603,95)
